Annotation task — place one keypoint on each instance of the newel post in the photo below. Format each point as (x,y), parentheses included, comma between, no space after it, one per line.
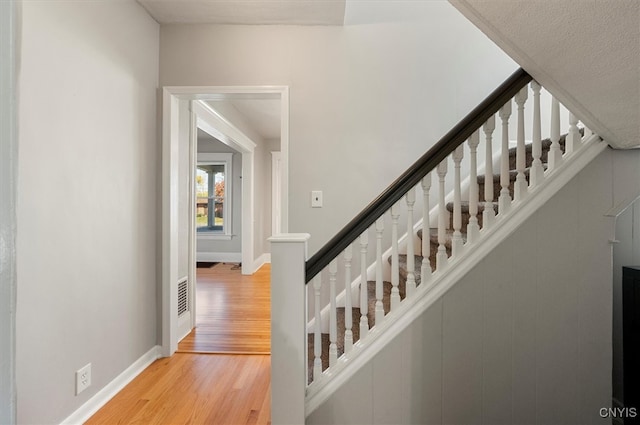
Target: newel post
(288,328)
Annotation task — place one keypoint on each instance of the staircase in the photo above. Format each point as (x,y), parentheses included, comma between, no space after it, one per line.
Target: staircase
(405,274)
(433,250)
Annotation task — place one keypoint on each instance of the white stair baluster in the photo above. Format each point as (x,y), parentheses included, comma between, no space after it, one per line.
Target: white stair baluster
(504,200)
(441,256)
(333,318)
(317,338)
(425,269)
(411,260)
(555,153)
(521,187)
(379,311)
(536,175)
(489,213)
(364,297)
(573,137)
(395,266)
(473,230)
(348,319)
(457,244)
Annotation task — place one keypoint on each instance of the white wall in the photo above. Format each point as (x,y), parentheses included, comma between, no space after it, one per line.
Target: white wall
(525,337)
(8,182)
(87,199)
(366,99)
(625,253)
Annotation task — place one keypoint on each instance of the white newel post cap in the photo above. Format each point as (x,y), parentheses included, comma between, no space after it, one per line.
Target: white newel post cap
(289,238)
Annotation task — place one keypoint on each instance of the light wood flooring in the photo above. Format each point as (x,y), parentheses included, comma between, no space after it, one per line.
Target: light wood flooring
(195,389)
(233,316)
(232,312)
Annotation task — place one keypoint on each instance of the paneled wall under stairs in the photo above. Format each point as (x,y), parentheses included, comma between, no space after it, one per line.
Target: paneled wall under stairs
(525,337)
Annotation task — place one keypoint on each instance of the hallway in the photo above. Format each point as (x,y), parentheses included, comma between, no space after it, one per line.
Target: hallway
(232,312)
(221,373)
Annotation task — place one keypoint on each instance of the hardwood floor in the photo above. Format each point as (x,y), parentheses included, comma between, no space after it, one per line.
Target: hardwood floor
(233,316)
(195,389)
(232,312)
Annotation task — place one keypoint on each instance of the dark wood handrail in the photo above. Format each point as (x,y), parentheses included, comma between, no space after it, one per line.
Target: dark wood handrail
(410,178)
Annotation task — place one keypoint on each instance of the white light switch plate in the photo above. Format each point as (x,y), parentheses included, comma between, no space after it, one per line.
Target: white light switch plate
(316,199)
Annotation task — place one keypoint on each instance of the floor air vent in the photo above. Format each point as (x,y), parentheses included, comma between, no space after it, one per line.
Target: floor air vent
(183,304)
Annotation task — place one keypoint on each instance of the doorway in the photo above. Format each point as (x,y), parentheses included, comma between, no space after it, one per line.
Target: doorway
(233,311)
(176,100)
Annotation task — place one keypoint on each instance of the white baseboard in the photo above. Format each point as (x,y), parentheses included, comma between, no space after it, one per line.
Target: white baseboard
(101,398)
(219,257)
(232,257)
(261,261)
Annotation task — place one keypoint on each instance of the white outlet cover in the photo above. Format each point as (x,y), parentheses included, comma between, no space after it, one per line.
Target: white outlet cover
(83,378)
(316,199)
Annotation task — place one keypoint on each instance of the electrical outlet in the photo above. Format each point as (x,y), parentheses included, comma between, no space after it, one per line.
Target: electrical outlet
(83,378)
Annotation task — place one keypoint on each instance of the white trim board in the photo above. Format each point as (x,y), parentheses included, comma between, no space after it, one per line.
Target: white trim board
(9,41)
(623,205)
(276,196)
(101,398)
(261,261)
(616,210)
(193,164)
(219,257)
(219,127)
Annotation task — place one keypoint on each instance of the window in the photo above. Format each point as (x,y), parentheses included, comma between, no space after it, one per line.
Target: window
(213,195)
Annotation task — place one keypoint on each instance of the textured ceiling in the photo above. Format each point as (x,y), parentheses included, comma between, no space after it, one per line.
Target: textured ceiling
(249,12)
(587,53)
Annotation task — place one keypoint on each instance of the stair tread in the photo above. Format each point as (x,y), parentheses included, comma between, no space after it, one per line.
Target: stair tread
(512,176)
(433,231)
(545,143)
(464,207)
(433,236)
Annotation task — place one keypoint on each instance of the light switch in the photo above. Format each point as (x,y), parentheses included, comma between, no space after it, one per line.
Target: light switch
(316,199)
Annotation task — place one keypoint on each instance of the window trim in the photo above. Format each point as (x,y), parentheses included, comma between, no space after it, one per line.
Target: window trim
(225,159)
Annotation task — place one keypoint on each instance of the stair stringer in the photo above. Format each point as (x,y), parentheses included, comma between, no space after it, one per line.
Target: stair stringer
(441,281)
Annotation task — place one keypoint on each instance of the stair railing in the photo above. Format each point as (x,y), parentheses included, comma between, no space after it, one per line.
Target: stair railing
(410,178)
(482,210)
